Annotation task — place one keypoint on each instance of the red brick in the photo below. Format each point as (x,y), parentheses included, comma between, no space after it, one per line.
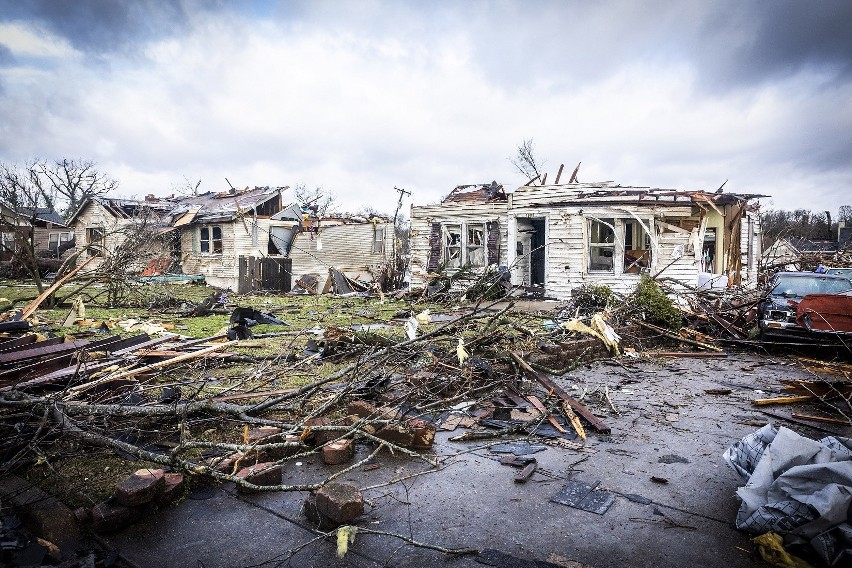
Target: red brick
(341,451)
(424,434)
(173,488)
(112,517)
(256,434)
(264,474)
(396,434)
(314,515)
(322,437)
(340,502)
(279,453)
(362,408)
(140,488)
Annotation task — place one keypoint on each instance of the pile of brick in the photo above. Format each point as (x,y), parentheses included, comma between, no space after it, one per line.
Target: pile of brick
(131,498)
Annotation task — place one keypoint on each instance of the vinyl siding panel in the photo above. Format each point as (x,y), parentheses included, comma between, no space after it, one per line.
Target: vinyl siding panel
(422,218)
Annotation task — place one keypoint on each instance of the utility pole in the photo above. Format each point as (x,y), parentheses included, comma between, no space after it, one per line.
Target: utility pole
(402,193)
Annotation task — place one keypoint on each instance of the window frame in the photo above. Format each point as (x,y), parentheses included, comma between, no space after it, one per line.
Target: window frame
(609,223)
(62,237)
(639,236)
(96,236)
(474,249)
(378,240)
(208,243)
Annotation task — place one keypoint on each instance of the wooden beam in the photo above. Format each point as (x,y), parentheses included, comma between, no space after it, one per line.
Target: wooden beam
(575,405)
(33,306)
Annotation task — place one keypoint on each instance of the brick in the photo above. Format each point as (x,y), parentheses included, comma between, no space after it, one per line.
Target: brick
(396,434)
(321,438)
(225,464)
(264,474)
(173,488)
(112,517)
(140,488)
(340,502)
(279,453)
(362,408)
(341,451)
(353,419)
(314,515)
(256,434)
(424,434)
(53,554)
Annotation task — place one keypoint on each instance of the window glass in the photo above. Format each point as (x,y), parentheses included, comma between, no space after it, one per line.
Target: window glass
(601,245)
(476,245)
(205,240)
(452,246)
(217,240)
(379,241)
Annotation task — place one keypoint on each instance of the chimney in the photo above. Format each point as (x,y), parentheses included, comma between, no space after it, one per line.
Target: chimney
(150,198)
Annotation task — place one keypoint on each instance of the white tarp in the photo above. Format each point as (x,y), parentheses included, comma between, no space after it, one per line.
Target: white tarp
(797,487)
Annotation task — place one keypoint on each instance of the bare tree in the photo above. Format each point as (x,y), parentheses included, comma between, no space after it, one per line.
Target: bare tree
(71,181)
(525,160)
(319,199)
(21,195)
(186,187)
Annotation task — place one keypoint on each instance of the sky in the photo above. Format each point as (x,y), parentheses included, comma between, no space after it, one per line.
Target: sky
(368,96)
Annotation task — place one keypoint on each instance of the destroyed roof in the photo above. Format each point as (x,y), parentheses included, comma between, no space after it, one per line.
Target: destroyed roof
(127,208)
(223,206)
(479,193)
(610,192)
(811,245)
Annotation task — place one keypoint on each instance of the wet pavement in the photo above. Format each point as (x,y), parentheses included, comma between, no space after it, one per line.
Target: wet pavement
(673,497)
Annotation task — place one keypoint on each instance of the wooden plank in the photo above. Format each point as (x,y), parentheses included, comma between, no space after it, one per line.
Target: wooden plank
(33,306)
(541,408)
(782,400)
(825,419)
(575,405)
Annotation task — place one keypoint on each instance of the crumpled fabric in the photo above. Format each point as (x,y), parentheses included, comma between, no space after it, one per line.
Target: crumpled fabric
(797,487)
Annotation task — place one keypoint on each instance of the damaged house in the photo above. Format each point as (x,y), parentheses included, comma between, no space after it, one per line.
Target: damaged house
(554,238)
(50,235)
(239,239)
(247,240)
(102,224)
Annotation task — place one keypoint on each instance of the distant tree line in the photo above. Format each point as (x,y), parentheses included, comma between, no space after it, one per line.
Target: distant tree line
(802,223)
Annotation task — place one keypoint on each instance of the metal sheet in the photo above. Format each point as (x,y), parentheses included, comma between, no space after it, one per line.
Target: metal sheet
(583,496)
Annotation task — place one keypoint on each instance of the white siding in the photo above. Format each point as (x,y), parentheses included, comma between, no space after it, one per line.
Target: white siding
(347,248)
(450,213)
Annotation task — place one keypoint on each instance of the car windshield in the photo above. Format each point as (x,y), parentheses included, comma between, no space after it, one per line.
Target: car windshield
(800,286)
(847,272)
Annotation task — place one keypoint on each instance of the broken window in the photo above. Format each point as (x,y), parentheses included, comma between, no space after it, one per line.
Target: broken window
(453,246)
(56,240)
(211,240)
(95,240)
(7,242)
(476,245)
(379,240)
(601,245)
(637,247)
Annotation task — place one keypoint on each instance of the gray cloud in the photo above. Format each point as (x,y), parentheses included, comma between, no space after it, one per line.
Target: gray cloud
(6,57)
(101,26)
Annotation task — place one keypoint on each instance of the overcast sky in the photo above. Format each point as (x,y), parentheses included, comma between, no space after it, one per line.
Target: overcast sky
(359,97)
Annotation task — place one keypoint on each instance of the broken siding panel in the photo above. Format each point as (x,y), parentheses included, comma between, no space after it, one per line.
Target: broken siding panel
(218,269)
(348,248)
(423,218)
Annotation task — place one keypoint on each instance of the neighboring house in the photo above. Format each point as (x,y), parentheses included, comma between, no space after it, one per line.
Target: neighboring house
(555,238)
(216,229)
(49,233)
(787,253)
(102,224)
